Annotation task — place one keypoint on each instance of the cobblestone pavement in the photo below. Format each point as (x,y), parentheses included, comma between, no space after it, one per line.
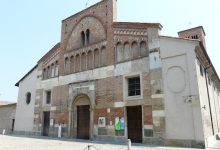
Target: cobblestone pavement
(24,143)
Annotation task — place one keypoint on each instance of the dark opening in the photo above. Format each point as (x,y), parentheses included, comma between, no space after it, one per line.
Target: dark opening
(83,38)
(48,99)
(28,98)
(87,36)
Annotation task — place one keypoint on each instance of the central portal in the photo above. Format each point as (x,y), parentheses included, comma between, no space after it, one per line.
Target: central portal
(83,121)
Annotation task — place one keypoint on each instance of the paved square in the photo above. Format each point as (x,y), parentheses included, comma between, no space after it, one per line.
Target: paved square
(24,143)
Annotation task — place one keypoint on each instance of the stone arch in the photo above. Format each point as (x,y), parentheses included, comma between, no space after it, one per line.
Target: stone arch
(81,100)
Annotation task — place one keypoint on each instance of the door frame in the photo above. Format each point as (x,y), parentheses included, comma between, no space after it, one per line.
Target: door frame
(72,126)
(43,122)
(142,121)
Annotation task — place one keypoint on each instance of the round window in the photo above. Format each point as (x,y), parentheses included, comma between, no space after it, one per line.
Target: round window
(28,98)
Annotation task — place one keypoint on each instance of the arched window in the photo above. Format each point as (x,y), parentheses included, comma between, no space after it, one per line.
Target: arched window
(127,51)
(28,98)
(82,38)
(83,62)
(52,70)
(48,72)
(71,64)
(89,60)
(77,63)
(44,73)
(119,52)
(96,58)
(103,56)
(67,66)
(135,50)
(87,36)
(143,48)
(56,69)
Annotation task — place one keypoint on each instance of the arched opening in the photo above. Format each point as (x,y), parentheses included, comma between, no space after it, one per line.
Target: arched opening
(71,64)
(119,52)
(81,117)
(48,72)
(52,70)
(87,36)
(44,73)
(56,69)
(135,50)
(28,98)
(89,60)
(127,51)
(96,58)
(83,62)
(143,48)
(77,62)
(103,56)
(67,67)
(82,38)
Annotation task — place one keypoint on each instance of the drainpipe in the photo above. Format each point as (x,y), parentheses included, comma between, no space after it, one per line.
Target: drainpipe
(210,109)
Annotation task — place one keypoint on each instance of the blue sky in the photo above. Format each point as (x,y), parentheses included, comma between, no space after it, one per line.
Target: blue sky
(28,29)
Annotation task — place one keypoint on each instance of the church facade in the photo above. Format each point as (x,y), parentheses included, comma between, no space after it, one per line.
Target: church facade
(109,80)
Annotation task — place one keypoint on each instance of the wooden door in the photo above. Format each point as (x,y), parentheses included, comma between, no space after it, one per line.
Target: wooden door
(134,122)
(46,123)
(83,122)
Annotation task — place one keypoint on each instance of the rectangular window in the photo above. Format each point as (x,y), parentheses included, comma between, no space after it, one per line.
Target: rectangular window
(134,87)
(48,97)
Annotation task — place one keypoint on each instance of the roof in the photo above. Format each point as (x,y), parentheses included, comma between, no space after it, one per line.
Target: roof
(50,52)
(136,25)
(17,84)
(193,29)
(8,105)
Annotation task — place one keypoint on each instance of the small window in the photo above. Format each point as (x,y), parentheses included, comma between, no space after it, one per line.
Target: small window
(87,36)
(134,88)
(201,70)
(28,98)
(83,38)
(48,97)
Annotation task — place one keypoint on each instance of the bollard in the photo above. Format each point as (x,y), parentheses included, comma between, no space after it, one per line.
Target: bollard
(89,146)
(3,132)
(129,144)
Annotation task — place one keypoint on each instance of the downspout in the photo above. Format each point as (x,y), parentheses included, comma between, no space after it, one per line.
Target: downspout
(210,109)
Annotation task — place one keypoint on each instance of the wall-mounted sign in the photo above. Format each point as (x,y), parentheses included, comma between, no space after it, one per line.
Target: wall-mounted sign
(101,122)
(51,122)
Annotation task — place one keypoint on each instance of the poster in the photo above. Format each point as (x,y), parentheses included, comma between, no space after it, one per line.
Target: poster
(119,123)
(101,122)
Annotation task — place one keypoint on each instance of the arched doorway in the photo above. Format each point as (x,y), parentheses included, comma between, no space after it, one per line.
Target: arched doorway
(81,117)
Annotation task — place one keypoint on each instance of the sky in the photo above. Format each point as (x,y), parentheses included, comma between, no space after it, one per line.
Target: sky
(28,29)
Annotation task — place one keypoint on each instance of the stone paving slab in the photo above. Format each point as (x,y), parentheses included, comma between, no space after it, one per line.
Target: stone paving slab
(40,143)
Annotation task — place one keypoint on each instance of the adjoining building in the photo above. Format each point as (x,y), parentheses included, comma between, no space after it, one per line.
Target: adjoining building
(7,117)
(109,80)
